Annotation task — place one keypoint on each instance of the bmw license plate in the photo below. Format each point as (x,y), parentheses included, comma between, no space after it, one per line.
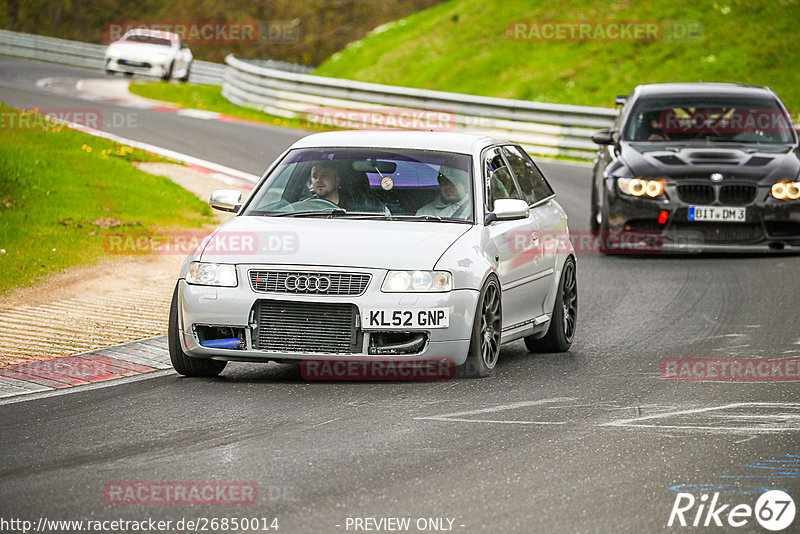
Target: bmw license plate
(380,318)
(716,214)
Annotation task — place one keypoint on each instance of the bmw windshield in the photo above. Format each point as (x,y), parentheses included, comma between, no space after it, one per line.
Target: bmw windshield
(365,182)
(733,120)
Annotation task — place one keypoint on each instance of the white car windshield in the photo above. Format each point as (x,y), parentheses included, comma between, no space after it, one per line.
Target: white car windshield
(382,183)
(148,39)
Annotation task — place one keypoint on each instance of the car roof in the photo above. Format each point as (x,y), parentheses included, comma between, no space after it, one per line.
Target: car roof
(440,141)
(701,89)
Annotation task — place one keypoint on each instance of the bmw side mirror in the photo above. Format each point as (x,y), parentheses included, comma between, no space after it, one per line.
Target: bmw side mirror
(226,200)
(604,137)
(508,209)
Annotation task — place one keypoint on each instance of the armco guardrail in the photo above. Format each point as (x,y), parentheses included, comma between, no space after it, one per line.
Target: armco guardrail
(550,129)
(87,55)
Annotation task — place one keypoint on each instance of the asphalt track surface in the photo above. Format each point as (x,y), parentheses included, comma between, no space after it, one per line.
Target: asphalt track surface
(592,440)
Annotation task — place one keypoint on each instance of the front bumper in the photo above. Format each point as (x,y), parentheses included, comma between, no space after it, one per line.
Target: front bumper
(770,225)
(203,306)
(146,68)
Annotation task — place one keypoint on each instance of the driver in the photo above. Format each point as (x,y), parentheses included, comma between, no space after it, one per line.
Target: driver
(453,200)
(325,181)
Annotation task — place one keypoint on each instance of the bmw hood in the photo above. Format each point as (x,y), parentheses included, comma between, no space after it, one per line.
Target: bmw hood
(370,243)
(756,162)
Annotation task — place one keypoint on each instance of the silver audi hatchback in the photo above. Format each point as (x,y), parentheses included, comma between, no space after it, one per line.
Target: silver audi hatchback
(373,246)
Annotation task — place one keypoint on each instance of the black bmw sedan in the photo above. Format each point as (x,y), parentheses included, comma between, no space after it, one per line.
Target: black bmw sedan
(703,167)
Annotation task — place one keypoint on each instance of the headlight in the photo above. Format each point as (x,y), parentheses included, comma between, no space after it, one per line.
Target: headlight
(112,52)
(212,274)
(638,187)
(160,58)
(786,190)
(417,281)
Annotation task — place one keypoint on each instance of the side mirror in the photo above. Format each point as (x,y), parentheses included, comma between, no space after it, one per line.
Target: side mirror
(508,209)
(226,200)
(604,137)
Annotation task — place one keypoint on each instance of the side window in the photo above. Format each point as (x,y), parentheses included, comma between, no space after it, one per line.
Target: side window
(534,186)
(498,178)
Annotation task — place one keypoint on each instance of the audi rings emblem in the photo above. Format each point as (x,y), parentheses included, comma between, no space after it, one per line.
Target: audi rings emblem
(304,282)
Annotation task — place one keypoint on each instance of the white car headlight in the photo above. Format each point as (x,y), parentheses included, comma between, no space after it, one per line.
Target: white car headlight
(159,58)
(417,281)
(212,274)
(112,52)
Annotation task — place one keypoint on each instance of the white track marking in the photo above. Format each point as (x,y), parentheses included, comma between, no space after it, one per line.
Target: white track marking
(459,416)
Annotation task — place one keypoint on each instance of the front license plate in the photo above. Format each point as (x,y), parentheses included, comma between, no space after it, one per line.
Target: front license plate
(716,214)
(381,318)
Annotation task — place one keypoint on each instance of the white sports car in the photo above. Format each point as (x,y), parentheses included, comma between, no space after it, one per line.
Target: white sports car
(150,52)
(381,247)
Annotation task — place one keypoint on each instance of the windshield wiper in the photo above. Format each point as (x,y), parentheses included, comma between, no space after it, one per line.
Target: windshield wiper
(431,218)
(314,213)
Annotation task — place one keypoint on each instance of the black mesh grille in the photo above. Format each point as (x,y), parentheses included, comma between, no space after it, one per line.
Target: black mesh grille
(314,327)
(716,232)
(737,194)
(308,283)
(696,193)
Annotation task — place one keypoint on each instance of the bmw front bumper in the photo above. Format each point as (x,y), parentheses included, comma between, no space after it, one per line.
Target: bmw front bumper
(770,225)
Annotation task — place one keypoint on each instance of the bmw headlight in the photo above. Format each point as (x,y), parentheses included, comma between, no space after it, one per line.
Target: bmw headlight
(786,190)
(417,281)
(212,274)
(639,187)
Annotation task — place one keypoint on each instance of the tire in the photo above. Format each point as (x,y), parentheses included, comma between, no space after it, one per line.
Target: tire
(561,332)
(109,71)
(484,346)
(168,74)
(185,77)
(183,363)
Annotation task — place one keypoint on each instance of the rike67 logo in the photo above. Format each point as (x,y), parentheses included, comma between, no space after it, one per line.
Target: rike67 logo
(774,510)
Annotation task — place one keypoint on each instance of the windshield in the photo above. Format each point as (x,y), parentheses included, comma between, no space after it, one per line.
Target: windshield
(149,39)
(737,120)
(366,182)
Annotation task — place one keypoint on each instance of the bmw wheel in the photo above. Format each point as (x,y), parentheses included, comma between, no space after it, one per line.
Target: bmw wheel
(561,332)
(484,347)
(183,363)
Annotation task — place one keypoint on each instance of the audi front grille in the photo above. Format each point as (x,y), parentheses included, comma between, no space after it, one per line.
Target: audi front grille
(308,283)
(308,327)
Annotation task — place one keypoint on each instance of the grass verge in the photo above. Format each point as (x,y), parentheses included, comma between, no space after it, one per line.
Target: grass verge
(475,47)
(66,196)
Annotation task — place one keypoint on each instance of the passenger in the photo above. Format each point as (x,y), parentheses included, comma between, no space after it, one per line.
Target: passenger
(454,197)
